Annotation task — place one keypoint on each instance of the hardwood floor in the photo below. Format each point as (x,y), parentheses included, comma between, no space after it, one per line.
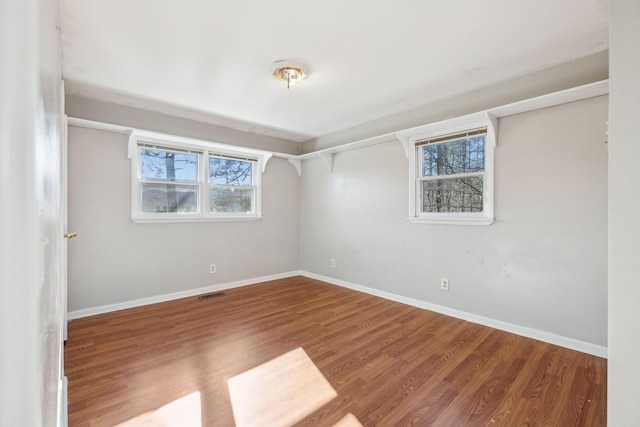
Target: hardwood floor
(299,351)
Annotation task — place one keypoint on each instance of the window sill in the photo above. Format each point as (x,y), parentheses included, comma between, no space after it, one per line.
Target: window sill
(452,221)
(143,220)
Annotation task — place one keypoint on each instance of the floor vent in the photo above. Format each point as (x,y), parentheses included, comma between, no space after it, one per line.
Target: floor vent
(213,295)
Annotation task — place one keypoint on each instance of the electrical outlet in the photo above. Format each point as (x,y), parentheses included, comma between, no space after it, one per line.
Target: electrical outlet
(444,284)
(212,268)
(333,263)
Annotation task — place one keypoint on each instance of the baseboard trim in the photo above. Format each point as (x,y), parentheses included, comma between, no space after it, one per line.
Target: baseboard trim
(573,344)
(77,314)
(582,346)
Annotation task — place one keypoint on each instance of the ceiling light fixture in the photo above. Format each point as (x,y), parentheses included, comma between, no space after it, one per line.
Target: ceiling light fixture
(290,72)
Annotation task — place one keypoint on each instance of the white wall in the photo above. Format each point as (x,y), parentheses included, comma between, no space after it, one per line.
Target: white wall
(30,228)
(542,264)
(624,215)
(114,260)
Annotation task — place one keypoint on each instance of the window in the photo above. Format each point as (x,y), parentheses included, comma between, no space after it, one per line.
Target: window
(174,181)
(451,164)
(451,173)
(168,181)
(231,185)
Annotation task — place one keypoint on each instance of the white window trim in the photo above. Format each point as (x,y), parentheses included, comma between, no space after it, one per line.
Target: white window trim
(458,124)
(206,147)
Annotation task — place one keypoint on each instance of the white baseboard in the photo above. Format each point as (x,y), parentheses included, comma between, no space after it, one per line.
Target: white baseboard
(177,295)
(582,346)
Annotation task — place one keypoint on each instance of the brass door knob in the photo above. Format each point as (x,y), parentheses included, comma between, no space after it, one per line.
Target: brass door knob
(70,235)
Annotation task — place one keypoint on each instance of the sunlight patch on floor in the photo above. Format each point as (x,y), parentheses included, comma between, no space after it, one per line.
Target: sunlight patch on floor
(280,392)
(348,420)
(182,412)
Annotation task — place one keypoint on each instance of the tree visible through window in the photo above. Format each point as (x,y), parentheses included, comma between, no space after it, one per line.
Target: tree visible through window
(170,181)
(189,180)
(452,174)
(451,164)
(231,185)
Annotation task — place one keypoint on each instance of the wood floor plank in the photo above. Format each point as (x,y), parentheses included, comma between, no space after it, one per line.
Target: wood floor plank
(389,364)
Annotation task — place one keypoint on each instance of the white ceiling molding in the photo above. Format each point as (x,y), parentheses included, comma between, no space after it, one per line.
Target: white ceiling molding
(491,115)
(557,98)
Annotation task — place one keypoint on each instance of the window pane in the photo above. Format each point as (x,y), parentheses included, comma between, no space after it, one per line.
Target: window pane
(230,172)
(229,199)
(159,164)
(452,195)
(169,198)
(449,158)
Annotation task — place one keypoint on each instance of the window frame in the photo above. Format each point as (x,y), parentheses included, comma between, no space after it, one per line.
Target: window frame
(204,150)
(144,145)
(457,125)
(253,186)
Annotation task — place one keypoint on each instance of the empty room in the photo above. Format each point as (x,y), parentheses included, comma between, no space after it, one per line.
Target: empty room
(320,213)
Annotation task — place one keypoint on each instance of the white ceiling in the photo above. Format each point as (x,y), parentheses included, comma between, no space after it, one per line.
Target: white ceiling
(210,59)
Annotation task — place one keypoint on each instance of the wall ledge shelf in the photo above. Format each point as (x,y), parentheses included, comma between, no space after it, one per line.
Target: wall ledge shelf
(578,93)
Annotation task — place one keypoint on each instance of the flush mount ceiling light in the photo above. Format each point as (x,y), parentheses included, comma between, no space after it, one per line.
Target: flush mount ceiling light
(290,72)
